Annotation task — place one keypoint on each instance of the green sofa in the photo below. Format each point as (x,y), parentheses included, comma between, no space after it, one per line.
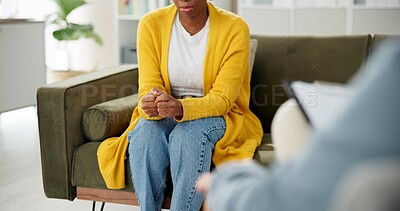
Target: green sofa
(76,114)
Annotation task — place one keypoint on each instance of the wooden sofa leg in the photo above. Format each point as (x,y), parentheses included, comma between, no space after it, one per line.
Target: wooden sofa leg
(94,206)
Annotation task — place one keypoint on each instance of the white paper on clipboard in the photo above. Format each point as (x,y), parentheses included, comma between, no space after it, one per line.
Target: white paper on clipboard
(320,102)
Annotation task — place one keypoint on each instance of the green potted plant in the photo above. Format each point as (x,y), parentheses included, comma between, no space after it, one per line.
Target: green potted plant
(68,31)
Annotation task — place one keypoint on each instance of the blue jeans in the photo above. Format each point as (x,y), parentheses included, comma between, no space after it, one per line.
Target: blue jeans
(185,147)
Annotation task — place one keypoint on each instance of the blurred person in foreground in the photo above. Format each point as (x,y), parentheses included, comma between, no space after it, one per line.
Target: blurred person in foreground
(366,130)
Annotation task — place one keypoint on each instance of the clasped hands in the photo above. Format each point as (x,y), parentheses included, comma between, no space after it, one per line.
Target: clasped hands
(158,103)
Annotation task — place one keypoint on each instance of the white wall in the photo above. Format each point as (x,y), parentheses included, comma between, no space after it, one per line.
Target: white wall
(36,9)
(224,4)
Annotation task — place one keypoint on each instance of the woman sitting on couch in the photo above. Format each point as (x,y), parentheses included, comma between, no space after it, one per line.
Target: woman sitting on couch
(194,92)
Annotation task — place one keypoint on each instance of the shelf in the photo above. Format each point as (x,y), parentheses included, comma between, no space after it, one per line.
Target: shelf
(361,7)
(251,4)
(376,7)
(321,20)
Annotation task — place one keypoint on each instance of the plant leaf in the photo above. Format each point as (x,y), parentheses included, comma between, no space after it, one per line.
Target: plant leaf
(87,32)
(76,31)
(67,34)
(67,30)
(67,6)
(81,27)
(95,36)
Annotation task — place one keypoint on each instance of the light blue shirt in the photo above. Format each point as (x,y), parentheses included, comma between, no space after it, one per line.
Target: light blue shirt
(368,128)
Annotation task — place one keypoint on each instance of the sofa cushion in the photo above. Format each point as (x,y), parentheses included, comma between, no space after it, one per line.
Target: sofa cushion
(86,173)
(265,154)
(109,118)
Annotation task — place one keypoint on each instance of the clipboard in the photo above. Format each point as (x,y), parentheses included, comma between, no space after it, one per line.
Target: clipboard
(320,102)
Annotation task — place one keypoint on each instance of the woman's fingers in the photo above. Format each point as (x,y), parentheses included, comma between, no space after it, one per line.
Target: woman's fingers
(163,98)
(149,98)
(155,91)
(149,106)
(150,111)
(203,183)
(168,106)
(159,103)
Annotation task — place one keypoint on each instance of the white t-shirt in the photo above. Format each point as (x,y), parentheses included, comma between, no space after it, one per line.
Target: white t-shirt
(186,59)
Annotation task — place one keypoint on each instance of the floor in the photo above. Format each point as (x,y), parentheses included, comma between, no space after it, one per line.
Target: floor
(20,170)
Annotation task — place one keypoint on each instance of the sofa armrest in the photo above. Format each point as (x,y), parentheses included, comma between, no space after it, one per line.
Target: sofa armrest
(60,107)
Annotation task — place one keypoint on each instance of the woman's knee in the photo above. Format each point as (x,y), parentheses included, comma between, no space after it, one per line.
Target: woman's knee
(149,134)
(147,129)
(192,133)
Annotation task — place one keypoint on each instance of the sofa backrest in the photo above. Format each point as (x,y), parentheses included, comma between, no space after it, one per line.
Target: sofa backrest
(307,58)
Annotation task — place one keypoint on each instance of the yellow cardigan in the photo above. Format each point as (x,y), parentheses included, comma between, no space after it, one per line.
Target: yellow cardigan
(226,88)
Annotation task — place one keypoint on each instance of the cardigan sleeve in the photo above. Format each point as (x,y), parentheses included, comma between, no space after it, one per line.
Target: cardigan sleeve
(148,60)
